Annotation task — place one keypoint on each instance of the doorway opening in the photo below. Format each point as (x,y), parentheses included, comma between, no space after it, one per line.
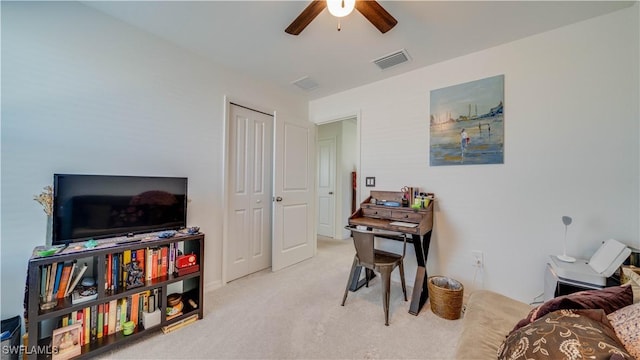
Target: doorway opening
(338,158)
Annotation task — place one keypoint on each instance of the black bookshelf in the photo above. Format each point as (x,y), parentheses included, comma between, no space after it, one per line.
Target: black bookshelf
(40,323)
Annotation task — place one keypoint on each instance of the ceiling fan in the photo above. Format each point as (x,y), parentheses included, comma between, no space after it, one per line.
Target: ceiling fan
(371,10)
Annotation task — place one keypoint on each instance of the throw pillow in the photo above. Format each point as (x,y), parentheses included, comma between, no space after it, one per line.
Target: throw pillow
(565,334)
(626,323)
(608,299)
(634,283)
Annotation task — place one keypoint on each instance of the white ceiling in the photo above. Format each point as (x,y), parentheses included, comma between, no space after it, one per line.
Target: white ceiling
(249,35)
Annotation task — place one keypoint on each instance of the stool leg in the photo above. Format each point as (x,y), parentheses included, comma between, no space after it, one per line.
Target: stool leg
(353,270)
(404,287)
(386,292)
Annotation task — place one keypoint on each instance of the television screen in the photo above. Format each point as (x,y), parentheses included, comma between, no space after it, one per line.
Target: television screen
(100,206)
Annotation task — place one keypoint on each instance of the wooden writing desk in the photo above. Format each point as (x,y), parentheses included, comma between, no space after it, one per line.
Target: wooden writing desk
(381,217)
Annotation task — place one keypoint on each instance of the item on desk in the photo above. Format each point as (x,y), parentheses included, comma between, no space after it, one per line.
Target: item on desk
(403,224)
(391,203)
(90,244)
(192,303)
(51,250)
(188,270)
(186,260)
(167,234)
(134,274)
(84,294)
(127,328)
(192,230)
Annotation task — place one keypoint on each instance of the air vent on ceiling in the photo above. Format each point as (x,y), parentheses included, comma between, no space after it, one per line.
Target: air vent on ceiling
(306,83)
(393,59)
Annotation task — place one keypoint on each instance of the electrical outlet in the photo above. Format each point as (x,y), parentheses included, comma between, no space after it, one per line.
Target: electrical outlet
(478,258)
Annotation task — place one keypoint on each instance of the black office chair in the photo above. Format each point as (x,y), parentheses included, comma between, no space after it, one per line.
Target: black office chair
(380,261)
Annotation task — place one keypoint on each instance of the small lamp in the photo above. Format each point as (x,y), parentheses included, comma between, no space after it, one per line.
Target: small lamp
(566,220)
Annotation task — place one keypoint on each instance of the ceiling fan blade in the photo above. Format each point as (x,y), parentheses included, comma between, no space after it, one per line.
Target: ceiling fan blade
(376,14)
(306,16)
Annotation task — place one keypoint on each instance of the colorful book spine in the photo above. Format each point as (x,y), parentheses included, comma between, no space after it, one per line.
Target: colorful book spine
(64,281)
(100,321)
(123,311)
(154,264)
(164,260)
(86,324)
(126,259)
(109,272)
(118,316)
(79,320)
(105,320)
(141,259)
(135,303)
(113,311)
(56,284)
(148,266)
(94,323)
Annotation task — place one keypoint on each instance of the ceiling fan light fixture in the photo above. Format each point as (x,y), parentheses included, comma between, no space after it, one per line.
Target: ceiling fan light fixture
(341,8)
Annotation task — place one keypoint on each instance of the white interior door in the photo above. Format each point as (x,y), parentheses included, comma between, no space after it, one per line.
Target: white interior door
(250,186)
(326,186)
(294,237)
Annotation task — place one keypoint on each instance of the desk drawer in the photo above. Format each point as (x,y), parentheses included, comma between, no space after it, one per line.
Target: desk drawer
(409,216)
(376,213)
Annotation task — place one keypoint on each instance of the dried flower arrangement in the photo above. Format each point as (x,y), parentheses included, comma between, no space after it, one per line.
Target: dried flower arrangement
(45,199)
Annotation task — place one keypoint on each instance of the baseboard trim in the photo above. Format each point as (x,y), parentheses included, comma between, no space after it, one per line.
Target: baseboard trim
(211,286)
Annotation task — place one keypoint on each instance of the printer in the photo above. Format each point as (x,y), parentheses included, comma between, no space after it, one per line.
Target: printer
(584,274)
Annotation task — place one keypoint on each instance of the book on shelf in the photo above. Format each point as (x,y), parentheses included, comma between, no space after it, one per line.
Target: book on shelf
(140,256)
(126,259)
(86,324)
(105,320)
(77,278)
(135,303)
(100,321)
(164,260)
(70,279)
(113,311)
(56,282)
(93,333)
(64,280)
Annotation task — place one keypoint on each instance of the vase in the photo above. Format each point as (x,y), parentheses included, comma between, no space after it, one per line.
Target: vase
(49,235)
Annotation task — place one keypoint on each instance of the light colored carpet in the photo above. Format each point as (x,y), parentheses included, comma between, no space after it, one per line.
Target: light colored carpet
(295,313)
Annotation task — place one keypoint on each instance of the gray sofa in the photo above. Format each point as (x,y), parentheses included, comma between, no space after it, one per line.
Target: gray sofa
(488,319)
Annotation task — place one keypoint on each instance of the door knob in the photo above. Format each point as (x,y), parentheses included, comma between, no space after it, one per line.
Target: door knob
(278,198)
(330,192)
(258,201)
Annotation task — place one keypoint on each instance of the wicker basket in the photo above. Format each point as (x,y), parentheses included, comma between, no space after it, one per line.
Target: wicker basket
(445,296)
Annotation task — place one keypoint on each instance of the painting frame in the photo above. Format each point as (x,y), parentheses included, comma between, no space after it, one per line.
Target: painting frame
(466,123)
(65,342)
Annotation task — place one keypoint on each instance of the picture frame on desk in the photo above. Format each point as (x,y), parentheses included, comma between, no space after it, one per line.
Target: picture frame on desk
(65,342)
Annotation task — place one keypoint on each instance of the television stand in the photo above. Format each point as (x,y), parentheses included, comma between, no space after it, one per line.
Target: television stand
(140,297)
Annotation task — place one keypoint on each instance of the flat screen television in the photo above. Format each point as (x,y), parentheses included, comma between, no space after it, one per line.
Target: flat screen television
(101,206)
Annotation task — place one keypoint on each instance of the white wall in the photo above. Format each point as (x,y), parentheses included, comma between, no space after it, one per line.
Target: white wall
(571,148)
(85,93)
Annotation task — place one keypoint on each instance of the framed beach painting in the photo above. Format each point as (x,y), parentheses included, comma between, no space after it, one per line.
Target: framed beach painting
(466,123)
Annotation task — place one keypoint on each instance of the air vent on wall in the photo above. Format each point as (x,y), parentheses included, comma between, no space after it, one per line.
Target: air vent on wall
(393,59)
(306,83)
